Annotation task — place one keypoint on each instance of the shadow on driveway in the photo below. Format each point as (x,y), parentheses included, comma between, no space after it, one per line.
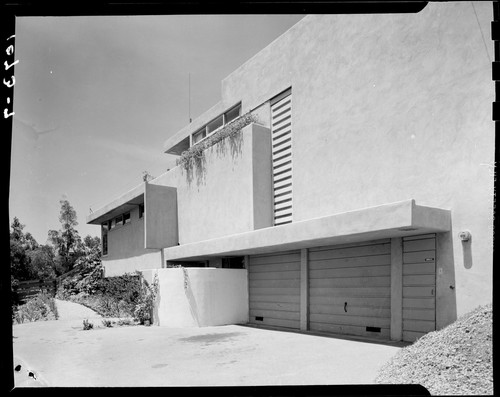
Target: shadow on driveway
(64,355)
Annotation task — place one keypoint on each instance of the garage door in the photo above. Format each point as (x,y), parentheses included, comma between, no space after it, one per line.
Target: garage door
(274,289)
(350,289)
(419,286)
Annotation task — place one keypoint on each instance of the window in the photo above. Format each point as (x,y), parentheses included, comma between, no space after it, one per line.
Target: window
(104,237)
(235,262)
(126,217)
(141,210)
(199,135)
(230,115)
(216,123)
(119,220)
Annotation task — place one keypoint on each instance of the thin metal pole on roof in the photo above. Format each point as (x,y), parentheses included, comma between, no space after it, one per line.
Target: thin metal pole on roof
(189,96)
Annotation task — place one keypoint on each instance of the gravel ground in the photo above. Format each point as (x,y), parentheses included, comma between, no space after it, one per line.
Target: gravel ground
(457,360)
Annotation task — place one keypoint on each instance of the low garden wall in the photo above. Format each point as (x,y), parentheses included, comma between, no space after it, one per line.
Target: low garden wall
(200,297)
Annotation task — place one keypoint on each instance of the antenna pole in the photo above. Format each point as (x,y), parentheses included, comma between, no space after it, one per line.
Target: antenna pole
(189,96)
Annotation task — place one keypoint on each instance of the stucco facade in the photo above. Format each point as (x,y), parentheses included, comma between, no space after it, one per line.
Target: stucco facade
(391,138)
(126,252)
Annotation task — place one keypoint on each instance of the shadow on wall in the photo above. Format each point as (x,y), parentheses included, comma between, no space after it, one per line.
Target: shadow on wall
(156,316)
(193,307)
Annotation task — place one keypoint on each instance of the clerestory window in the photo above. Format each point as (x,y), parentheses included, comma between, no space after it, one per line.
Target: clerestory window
(221,120)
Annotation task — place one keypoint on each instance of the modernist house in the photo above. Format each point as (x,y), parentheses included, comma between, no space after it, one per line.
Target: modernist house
(358,201)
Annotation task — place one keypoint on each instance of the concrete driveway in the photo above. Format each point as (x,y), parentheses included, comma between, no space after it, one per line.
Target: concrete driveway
(61,353)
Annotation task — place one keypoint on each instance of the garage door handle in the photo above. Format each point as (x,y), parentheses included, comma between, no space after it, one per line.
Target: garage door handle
(345,307)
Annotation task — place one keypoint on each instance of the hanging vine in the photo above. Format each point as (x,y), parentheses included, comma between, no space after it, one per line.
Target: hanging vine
(194,157)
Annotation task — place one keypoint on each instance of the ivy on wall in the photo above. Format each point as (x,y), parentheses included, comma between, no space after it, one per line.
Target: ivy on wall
(193,159)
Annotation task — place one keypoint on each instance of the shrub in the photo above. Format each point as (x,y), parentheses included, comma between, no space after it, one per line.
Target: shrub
(144,308)
(126,287)
(87,325)
(49,301)
(107,323)
(125,321)
(110,297)
(40,307)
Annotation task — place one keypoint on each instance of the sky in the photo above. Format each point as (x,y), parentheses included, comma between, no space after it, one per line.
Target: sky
(96,97)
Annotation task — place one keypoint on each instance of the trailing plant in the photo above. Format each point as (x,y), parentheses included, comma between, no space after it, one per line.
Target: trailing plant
(144,308)
(195,155)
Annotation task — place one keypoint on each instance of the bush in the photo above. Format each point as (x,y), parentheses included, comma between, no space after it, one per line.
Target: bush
(87,325)
(144,308)
(41,307)
(125,321)
(125,288)
(110,297)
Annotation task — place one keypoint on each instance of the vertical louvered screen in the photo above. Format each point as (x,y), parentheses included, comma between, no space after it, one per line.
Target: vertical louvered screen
(281,127)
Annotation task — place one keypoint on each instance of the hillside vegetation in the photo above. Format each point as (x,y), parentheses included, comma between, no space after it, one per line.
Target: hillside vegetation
(457,360)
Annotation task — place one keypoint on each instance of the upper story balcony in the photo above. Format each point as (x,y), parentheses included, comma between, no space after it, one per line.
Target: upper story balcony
(141,219)
(226,191)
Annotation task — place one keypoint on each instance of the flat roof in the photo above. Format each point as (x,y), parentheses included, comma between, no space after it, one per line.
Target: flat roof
(171,144)
(399,219)
(124,203)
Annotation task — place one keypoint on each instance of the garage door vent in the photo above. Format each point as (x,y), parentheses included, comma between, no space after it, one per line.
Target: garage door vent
(373,329)
(259,318)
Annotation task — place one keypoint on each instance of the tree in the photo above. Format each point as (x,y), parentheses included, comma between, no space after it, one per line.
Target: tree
(20,247)
(42,264)
(66,241)
(92,243)
(17,230)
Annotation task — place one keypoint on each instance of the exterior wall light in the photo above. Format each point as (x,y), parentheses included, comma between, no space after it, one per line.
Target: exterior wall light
(466,238)
(464,235)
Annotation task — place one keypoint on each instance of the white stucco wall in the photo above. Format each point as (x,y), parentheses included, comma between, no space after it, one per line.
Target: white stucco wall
(200,297)
(126,252)
(118,267)
(388,107)
(233,193)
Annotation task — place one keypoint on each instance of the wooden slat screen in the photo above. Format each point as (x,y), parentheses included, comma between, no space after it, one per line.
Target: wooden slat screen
(281,129)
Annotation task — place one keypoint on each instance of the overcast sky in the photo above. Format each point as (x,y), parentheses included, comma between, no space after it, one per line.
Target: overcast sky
(96,97)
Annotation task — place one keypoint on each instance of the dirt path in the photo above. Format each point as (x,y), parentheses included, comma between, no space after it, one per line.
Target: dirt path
(71,316)
(74,311)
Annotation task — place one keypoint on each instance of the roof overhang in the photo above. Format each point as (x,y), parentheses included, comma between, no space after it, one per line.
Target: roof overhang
(399,219)
(176,144)
(122,204)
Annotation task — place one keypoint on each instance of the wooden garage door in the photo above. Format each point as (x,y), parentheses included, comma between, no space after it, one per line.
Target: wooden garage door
(274,289)
(350,289)
(419,286)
